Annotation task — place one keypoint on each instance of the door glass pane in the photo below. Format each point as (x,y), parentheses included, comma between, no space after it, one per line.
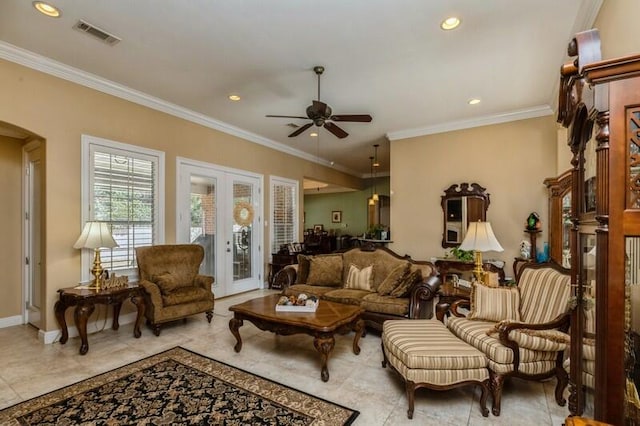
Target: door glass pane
(632,330)
(243,215)
(203,220)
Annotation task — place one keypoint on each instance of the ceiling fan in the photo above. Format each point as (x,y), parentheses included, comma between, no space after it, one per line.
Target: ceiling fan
(320,114)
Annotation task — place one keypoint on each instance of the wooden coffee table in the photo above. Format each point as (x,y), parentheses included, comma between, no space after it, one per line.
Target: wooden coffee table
(330,318)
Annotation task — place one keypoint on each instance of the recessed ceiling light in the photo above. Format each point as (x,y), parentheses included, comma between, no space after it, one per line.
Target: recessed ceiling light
(473,101)
(450,23)
(47,9)
(313,134)
(234,97)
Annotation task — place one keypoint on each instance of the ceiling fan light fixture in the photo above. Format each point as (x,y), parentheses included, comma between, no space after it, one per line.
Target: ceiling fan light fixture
(234,97)
(313,134)
(450,23)
(47,9)
(474,101)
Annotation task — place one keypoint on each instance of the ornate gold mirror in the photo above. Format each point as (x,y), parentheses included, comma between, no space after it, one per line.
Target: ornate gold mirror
(462,204)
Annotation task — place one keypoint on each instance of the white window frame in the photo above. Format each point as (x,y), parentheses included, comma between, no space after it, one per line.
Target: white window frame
(88,143)
(295,186)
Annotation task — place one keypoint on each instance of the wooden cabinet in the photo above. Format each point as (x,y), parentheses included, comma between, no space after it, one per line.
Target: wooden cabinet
(599,104)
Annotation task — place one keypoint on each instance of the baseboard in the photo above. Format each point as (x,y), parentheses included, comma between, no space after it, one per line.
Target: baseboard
(53,336)
(10,321)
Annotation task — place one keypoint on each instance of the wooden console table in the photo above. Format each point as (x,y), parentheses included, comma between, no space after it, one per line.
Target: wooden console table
(85,299)
(445,266)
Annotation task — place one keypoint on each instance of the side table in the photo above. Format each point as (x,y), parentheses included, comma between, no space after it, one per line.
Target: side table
(447,295)
(85,299)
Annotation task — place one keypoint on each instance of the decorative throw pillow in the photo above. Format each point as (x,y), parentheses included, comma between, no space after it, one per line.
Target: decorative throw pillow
(404,287)
(394,278)
(325,270)
(168,282)
(359,279)
(494,304)
(303,269)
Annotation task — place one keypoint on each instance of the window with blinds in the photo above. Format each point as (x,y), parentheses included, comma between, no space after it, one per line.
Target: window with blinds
(284,219)
(124,190)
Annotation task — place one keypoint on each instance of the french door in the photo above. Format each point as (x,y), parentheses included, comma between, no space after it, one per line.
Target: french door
(220,209)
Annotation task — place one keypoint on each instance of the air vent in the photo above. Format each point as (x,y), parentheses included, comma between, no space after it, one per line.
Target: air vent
(96,32)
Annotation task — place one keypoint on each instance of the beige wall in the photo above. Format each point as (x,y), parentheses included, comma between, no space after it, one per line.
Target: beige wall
(11,226)
(61,112)
(511,160)
(617,22)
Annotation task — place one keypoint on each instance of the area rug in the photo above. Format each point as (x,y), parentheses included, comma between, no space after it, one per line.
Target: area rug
(177,387)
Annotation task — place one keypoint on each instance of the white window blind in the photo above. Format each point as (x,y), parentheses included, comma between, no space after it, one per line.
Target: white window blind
(284,221)
(124,190)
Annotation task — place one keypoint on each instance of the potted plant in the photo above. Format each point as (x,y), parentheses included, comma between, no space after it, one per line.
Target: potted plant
(374,231)
(462,255)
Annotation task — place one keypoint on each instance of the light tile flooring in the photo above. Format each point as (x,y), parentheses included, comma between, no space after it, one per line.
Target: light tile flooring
(29,368)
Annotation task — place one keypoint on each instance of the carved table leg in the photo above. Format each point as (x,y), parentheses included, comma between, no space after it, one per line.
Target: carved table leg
(60,308)
(116,314)
(359,329)
(234,325)
(324,345)
(138,301)
(81,315)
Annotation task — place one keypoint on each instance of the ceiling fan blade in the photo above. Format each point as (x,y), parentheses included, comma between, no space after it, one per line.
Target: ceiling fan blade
(287,116)
(335,130)
(360,118)
(300,130)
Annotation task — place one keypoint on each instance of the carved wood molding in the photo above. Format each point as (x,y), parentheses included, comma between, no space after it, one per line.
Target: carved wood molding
(466,190)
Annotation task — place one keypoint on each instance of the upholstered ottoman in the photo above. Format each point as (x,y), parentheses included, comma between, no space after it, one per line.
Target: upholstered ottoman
(426,354)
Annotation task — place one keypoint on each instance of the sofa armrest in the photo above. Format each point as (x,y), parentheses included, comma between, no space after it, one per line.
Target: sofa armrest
(285,277)
(153,293)
(421,299)
(203,281)
(561,322)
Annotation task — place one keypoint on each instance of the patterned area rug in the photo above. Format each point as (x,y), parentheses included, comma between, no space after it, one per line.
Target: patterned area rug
(177,387)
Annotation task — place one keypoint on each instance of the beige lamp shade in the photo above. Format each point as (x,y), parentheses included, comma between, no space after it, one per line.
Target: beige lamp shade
(95,235)
(480,237)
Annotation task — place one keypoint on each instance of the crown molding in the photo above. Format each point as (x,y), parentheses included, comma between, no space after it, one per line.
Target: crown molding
(49,66)
(534,112)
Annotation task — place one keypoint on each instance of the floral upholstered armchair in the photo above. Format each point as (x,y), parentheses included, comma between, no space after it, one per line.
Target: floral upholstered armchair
(522,330)
(173,287)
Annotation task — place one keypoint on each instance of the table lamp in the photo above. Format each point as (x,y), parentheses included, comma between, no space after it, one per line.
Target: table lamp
(95,235)
(480,238)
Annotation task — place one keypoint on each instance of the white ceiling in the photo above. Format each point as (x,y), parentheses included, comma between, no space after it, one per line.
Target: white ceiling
(387,58)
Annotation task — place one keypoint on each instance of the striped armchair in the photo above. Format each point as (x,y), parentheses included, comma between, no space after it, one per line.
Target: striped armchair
(522,330)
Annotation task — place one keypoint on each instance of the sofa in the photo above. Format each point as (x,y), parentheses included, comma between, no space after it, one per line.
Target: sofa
(173,288)
(386,285)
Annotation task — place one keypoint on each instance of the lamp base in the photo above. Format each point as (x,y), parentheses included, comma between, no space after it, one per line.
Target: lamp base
(478,272)
(96,271)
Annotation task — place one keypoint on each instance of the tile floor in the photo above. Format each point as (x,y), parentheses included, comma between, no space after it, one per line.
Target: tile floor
(30,368)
